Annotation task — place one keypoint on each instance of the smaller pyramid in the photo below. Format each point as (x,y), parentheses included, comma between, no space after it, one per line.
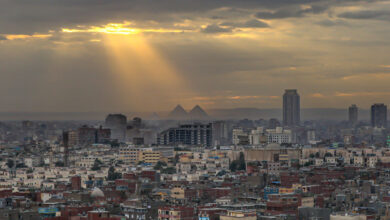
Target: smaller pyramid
(198,113)
(178,113)
(154,116)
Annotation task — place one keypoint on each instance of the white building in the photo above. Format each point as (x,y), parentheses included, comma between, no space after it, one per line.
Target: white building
(279,135)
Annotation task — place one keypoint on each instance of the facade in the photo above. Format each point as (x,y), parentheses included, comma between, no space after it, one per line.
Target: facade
(197,134)
(220,133)
(133,155)
(279,136)
(89,135)
(379,115)
(239,214)
(291,108)
(353,114)
(240,137)
(118,124)
(176,213)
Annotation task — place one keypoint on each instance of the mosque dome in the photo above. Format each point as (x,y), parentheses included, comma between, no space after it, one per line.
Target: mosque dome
(97,193)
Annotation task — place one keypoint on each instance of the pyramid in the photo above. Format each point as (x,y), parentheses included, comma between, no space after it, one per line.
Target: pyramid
(154,116)
(178,113)
(198,113)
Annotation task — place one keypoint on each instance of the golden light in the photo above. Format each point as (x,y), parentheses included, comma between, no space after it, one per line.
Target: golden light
(141,75)
(24,36)
(119,28)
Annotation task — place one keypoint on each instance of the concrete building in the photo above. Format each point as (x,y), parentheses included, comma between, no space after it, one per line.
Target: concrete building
(379,115)
(196,134)
(117,123)
(353,114)
(279,136)
(291,108)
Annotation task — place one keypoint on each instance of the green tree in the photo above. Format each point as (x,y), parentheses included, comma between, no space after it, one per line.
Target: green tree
(112,175)
(59,164)
(96,165)
(238,164)
(328,154)
(169,170)
(241,162)
(159,165)
(10,163)
(20,165)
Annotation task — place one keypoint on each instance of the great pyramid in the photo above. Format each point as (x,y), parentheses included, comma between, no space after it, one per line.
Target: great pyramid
(178,113)
(198,113)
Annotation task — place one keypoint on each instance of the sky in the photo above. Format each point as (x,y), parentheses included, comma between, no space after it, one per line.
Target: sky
(150,55)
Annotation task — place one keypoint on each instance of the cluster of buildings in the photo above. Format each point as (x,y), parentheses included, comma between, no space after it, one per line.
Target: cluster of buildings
(197,169)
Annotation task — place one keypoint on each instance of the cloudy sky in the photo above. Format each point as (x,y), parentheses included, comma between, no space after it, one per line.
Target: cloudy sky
(149,55)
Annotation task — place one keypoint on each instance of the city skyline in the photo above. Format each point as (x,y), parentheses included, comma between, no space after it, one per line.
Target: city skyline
(194,109)
(218,54)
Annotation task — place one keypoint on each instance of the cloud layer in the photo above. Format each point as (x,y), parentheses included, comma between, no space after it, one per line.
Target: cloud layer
(63,55)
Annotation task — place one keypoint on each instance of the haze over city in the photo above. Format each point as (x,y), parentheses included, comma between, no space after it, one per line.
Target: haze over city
(194,110)
(149,56)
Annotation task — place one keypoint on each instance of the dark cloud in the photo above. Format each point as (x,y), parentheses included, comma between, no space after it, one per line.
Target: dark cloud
(254,23)
(293,12)
(366,14)
(213,28)
(331,23)
(28,17)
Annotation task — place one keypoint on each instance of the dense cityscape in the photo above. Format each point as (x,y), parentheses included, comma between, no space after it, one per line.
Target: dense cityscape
(194,110)
(189,166)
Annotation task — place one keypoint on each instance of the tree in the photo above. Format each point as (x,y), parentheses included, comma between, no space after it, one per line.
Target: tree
(328,154)
(241,162)
(112,175)
(20,165)
(159,165)
(96,165)
(59,164)
(233,166)
(176,159)
(168,170)
(238,164)
(10,163)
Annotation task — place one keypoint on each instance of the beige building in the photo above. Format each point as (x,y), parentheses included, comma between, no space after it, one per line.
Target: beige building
(239,214)
(133,155)
(271,153)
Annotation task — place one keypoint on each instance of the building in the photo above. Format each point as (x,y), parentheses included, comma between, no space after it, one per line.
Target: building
(239,214)
(240,137)
(118,124)
(133,155)
(86,135)
(197,134)
(379,115)
(353,114)
(149,156)
(176,213)
(291,108)
(220,133)
(76,182)
(89,135)
(279,136)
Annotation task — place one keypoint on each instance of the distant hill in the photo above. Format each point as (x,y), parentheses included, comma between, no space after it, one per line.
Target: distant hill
(180,114)
(306,114)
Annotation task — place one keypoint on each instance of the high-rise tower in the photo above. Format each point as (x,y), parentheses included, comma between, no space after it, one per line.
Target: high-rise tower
(353,114)
(379,115)
(291,108)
